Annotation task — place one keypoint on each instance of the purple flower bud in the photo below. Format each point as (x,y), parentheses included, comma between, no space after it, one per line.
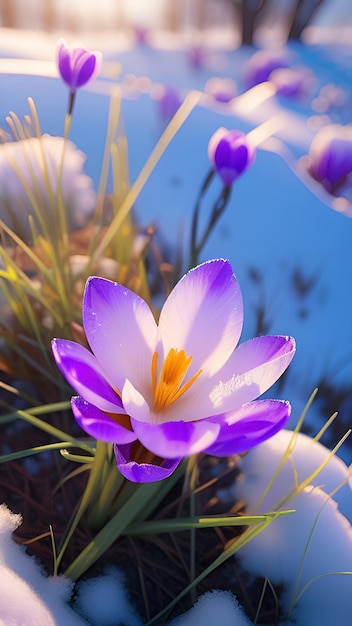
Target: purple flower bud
(330,157)
(259,67)
(292,82)
(230,153)
(221,89)
(76,66)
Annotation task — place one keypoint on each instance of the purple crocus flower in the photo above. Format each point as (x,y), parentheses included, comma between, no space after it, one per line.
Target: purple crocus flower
(76,66)
(230,153)
(221,89)
(330,157)
(293,83)
(161,392)
(259,67)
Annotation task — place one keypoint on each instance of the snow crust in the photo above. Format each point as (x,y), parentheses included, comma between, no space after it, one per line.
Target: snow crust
(308,549)
(27,596)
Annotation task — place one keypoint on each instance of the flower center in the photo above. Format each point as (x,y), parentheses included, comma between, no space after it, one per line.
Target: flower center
(169,387)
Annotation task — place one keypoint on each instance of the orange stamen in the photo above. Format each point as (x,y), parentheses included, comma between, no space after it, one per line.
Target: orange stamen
(170,386)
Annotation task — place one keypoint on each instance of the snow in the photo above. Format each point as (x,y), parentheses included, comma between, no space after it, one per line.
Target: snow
(212,606)
(309,551)
(302,233)
(27,596)
(260,465)
(309,546)
(104,600)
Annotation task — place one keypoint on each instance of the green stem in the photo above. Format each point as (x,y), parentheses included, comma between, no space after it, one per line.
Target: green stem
(218,209)
(192,473)
(71,101)
(144,494)
(55,432)
(110,485)
(194,228)
(89,496)
(229,550)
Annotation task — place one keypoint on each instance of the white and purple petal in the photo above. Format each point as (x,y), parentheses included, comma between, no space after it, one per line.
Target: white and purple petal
(176,439)
(85,374)
(121,331)
(253,367)
(83,67)
(204,315)
(63,61)
(99,425)
(248,426)
(142,472)
(135,404)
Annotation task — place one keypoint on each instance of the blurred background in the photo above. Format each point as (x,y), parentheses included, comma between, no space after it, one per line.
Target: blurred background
(246,19)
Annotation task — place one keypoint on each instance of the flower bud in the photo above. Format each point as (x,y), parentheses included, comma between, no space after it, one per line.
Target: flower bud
(76,66)
(330,157)
(230,153)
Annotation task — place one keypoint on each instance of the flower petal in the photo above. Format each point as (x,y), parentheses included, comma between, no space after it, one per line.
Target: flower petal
(135,405)
(99,425)
(85,375)
(251,424)
(204,315)
(121,331)
(253,367)
(142,472)
(176,439)
(63,61)
(85,69)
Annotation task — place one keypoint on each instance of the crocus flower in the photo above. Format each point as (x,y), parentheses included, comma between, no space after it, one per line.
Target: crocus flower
(161,392)
(330,157)
(230,154)
(76,66)
(221,89)
(293,83)
(259,67)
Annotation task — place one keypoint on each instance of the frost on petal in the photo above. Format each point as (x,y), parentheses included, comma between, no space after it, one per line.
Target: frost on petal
(204,315)
(121,331)
(143,472)
(248,426)
(112,428)
(176,439)
(252,369)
